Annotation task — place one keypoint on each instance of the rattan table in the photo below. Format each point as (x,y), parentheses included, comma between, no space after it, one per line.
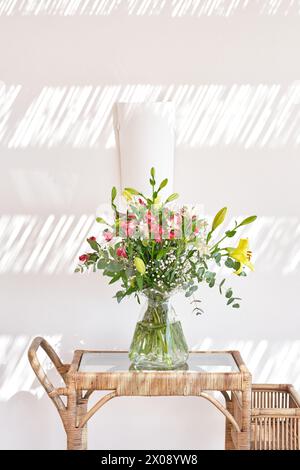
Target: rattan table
(110,371)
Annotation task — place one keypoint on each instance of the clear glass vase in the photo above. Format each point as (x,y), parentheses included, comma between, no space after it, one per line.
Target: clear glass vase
(158,341)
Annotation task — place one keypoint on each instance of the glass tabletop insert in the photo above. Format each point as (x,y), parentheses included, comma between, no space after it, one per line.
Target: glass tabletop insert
(119,361)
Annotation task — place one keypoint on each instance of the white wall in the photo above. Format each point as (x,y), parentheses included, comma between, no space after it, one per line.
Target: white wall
(233,76)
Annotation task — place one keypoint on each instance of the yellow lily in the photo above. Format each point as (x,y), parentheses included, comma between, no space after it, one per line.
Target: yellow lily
(140,265)
(241,254)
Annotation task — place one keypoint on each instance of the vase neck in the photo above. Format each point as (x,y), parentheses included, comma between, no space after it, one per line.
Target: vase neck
(154,298)
(159,309)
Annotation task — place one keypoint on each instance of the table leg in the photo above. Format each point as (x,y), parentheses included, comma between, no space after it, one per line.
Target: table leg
(76,409)
(229,445)
(245,435)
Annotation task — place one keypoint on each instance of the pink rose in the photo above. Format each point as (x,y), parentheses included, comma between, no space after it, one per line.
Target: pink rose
(108,235)
(150,219)
(121,252)
(128,227)
(157,232)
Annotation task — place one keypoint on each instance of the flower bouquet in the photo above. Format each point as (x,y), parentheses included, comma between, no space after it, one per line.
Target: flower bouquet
(153,250)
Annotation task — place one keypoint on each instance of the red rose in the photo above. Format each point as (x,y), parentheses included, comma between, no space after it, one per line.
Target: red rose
(83,258)
(121,252)
(93,239)
(172,234)
(141,202)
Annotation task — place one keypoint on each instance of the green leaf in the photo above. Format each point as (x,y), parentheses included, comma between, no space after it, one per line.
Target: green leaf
(236,306)
(218,257)
(160,254)
(230,301)
(102,263)
(77,270)
(248,220)
(172,198)
(228,293)
(201,271)
(191,290)
(230,233)
(220,286)
(108,273)
(229,263)
(219,218)
(209,275)
(237,265)
(243,274)
(119,296)
(93,244)
(114,267)
(115,278)
(129,291)
(163,184)
(198,311)
(139,281)
(112,252)
(152,172)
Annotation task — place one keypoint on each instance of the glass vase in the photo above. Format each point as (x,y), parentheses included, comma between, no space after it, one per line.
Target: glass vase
(158,342)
